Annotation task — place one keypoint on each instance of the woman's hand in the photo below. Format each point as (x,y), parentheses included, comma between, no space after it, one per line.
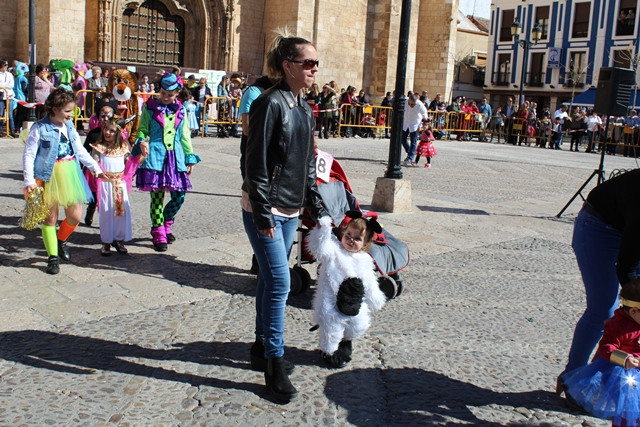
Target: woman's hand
(269,232)
(28,189)
(189,169)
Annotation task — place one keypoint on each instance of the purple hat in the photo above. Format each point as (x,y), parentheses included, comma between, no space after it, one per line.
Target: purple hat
(170,81)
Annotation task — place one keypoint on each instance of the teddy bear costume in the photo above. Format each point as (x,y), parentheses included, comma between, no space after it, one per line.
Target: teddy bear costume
(338,271)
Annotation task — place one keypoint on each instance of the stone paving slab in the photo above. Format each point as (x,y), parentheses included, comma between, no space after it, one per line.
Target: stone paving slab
(481,331)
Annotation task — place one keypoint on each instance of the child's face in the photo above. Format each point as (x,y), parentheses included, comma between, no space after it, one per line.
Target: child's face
(352,239)
(634,313)
(109,132)
(168,96)
(64,113)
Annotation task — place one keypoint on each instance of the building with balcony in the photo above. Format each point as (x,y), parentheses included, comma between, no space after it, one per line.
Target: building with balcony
(470,57)
(562,45)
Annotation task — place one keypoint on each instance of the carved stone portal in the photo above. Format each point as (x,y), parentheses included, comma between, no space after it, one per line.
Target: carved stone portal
(163,32)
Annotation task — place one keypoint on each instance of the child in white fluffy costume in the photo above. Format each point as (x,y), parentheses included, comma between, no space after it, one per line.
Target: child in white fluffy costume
(347,287)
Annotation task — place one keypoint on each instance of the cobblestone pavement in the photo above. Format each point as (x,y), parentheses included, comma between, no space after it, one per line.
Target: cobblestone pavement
(478,337)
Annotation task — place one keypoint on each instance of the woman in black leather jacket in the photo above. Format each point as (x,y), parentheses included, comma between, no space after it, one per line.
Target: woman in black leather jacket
(280,179)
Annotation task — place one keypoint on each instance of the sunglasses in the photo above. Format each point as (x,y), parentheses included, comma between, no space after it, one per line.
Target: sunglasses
(307,64)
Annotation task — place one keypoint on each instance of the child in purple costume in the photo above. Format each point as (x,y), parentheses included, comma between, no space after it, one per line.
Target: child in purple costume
(164,139)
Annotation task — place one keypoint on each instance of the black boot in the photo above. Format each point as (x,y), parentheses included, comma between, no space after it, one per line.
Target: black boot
(345,348)
(340,357)
(259,362)
(63,251)
(88,218)
(278,382)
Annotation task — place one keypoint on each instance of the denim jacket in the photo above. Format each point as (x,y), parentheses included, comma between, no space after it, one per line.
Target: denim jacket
(41,151)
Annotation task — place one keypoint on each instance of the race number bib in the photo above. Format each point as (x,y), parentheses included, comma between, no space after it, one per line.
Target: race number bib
(323,165)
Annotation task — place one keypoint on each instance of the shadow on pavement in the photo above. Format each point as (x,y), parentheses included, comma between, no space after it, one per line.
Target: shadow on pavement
(453,210)
(85,355)
(412,396)
(29,252)
(15,175)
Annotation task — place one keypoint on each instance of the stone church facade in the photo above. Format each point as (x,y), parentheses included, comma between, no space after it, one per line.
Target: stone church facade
(357,40)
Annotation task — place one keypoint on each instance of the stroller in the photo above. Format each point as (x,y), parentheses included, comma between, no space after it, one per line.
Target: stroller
(389,254)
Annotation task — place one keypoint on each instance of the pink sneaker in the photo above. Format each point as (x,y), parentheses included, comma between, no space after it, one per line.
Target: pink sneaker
(427,165)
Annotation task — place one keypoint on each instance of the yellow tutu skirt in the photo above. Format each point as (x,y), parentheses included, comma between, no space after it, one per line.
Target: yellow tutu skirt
(67,185)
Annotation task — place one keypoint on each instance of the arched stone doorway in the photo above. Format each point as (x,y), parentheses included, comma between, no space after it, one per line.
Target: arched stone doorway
(188,33)
(151,35)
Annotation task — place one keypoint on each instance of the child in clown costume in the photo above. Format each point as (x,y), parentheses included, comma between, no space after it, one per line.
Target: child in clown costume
(164,138)
(609,387)
(347,287)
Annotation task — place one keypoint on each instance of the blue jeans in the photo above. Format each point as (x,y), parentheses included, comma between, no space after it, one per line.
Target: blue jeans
(410,149)
(199,118)
(596,245)
(274,280)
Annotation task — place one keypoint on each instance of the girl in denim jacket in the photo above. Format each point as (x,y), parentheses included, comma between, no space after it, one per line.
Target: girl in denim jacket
(50,160)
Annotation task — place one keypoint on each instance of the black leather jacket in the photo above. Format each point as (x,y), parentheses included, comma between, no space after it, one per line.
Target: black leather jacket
(280,161)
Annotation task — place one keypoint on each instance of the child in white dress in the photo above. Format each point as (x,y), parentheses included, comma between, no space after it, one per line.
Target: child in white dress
(111,151)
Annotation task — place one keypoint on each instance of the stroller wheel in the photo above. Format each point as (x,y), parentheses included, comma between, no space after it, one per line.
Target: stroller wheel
(296,282)
(399,284)
(388,286)
(305,278)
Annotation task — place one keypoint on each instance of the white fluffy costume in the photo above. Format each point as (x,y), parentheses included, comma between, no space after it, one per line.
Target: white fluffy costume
(338,266)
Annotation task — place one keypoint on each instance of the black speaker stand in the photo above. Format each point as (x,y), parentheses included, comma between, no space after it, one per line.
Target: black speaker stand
(596,172)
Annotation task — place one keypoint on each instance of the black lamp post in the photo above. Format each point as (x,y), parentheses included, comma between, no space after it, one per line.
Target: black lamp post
(31,96)
(395,144)
(536,34)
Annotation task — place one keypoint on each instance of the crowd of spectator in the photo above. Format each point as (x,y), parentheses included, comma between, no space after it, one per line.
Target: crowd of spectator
(341,112)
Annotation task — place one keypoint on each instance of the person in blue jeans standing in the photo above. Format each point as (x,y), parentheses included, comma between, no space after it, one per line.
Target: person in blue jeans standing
(280,179)
(414,114)
(606,242)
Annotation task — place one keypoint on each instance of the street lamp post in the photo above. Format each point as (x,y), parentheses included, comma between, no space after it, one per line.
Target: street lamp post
(31,96)
(536,34)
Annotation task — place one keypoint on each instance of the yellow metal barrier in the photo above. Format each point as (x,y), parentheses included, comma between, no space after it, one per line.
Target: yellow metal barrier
(371,120)
(217,111)
(85,113)
(5,116)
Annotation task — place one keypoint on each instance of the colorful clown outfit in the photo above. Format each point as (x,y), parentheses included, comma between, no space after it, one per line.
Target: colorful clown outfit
(604,388)
(50,160)
(165,167)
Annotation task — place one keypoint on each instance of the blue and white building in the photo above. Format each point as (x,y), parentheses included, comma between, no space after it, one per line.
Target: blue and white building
(577,38)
